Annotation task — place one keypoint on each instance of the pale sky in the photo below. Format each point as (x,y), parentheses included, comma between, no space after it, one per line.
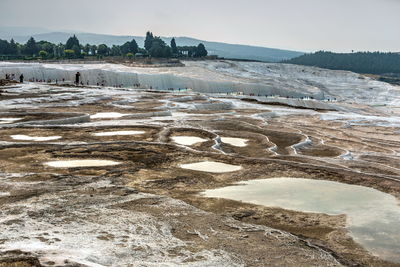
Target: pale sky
(303,25)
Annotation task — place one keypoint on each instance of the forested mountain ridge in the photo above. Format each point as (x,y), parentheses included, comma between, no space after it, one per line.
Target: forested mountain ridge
(360,62)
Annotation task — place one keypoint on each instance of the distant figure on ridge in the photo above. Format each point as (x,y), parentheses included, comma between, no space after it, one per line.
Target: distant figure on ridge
(21,78)
(77,77)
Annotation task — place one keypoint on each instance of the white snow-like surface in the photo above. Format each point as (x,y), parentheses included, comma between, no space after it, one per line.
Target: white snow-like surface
(107,115)
(34,138)
(81,163)
(359,119)
(211,166)
(225,77)
(8,120)
(188,140)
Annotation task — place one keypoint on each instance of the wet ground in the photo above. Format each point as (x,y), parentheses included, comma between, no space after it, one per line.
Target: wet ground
(148,209)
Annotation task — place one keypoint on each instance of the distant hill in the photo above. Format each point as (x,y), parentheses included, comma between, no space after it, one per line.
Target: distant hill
(361,62)
(10,32)
(214,48)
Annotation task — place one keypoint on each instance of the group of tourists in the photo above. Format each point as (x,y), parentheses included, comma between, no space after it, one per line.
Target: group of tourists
(12,77)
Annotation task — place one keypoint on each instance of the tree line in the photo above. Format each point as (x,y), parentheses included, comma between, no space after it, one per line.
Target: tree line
(360,62)
(154,46)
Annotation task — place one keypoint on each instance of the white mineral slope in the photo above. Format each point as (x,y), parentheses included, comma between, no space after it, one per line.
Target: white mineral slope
(224,76)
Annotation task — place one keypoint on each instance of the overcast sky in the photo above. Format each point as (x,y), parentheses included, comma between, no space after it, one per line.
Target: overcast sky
(305,25)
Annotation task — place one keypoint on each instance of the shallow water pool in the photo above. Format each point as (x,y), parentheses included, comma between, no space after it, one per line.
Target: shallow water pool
(81,163)
(239,142)
(119,133)
(211,166)
(22,137)
(188,140)
(373,217)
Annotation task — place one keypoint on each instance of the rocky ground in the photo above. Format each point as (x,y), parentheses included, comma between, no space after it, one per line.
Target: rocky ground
(148,211)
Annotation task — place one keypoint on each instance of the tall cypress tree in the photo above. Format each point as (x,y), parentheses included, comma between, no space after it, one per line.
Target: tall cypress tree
(148,43)
(133,47)
(73,43)
(13,47)
(174,49)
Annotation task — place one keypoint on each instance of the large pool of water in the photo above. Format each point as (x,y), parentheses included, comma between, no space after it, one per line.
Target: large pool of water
(211,166)
(373,217)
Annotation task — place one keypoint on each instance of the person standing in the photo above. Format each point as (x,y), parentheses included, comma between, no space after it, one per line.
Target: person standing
(77,78)
(21,78)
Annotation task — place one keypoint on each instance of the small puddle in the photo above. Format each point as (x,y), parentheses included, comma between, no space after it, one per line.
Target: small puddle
(107,115)
(373,217)
(239,142)
(34,138)
(81,163)
(188,140)
(211,166)
(9,120)
(119,133)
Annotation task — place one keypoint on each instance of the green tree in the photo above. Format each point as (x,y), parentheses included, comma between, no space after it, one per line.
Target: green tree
(133,47)
(156,50)
(201,51)
(148,42)
(159,48)
(102,50)
(13,47)
(4,47)
(77,50)
(46,46)
(93,50)
(71,42)
(69,53)
(129,55)
(59,50)
(115,50)
(43,54)
(31,47)
(86,49)
(174,49)
(126,48)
